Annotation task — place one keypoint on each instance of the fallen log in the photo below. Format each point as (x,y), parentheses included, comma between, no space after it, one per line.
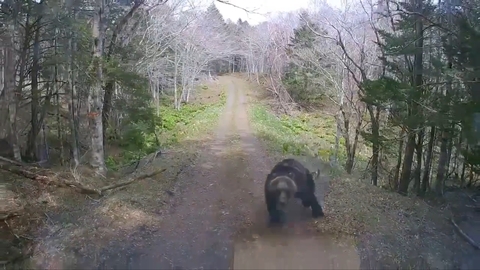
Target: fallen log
(464,235)
(11,161)
(46,177)
(49,178)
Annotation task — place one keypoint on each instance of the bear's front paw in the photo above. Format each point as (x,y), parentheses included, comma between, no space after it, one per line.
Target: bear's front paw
(277,217)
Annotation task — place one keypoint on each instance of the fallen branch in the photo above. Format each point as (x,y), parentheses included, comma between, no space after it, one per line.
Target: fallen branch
(8,216)
(129,181)
(48,180)
(464,235)
(11,161)
(52,179)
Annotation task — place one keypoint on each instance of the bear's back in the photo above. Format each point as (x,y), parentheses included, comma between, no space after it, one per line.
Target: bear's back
(291,168)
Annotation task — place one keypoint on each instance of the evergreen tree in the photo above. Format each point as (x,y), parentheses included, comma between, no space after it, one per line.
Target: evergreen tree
(304,78)
(401,88)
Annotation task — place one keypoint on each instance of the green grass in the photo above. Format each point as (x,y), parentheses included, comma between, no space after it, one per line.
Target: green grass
(191,123)
(303,135)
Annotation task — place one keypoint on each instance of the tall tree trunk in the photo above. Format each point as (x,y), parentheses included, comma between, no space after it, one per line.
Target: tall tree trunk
(72,44)
(58,104)
(446,134)
(442,163)
(415,110)
(471,176)
(107,107)
(418,170)
(32,149)
(350,146)
(428,162)
(176,99)
(462,176)
(11,91)
(396,176)
(449,150)
(374,118)
(95,98)
(407,164)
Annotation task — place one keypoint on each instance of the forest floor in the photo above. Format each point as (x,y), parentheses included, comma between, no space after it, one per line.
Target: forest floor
(207,211)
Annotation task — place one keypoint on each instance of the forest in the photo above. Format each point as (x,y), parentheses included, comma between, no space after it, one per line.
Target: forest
(80,80)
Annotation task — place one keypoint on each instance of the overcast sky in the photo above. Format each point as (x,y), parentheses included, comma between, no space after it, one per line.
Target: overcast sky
(263,7)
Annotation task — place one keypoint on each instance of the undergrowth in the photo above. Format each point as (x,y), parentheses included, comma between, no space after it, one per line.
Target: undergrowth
(291,135)
(165,129)
(305,134)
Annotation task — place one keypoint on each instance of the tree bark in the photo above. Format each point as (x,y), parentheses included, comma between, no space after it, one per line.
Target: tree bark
(396,176)
(10,88)
(72,106)
(428,162)
(407,164)
(418,170)
(95,99)
(415,110)
(374,118)
(32,150)
(442,163)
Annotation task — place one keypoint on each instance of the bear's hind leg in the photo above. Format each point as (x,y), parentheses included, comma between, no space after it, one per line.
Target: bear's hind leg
(311,199)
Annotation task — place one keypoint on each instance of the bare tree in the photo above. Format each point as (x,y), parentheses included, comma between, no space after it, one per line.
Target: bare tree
(351,36)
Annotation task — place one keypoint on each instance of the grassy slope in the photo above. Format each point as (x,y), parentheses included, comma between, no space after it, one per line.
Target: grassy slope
(392,230)
(299,135)
(302,134)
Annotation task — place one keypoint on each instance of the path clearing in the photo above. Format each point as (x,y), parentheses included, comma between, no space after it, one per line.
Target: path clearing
(217,218)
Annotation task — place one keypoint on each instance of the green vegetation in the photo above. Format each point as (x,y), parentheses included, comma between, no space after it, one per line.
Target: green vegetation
(145,135)
(306,80)
(301,135)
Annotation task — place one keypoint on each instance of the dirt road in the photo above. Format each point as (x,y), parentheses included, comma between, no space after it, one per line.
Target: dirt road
(217,219)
